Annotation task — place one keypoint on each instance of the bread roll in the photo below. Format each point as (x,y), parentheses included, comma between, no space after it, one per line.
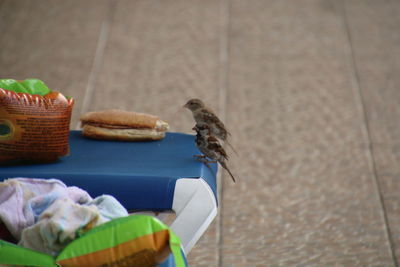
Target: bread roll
(115,124)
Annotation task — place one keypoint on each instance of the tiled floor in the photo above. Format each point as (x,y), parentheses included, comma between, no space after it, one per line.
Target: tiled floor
(310,90)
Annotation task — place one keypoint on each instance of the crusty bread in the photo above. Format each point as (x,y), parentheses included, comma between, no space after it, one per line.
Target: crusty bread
(122,125)
(120,118)
(121,134)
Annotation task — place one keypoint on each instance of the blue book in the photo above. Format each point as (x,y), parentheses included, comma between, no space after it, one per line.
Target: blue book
(140,175)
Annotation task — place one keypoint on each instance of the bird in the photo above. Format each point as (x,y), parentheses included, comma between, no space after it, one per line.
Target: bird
(211,149)
(205,116)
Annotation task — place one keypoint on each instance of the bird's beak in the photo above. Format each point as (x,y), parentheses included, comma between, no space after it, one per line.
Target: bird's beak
(185,106)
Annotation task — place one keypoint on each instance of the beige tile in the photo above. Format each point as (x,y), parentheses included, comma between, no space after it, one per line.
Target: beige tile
(51,40)
(206,252)
(375,42)
(373,30)
(306,195)
(387,164)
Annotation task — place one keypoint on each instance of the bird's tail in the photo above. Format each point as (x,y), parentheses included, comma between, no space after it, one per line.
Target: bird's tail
(230,145)
(223,164)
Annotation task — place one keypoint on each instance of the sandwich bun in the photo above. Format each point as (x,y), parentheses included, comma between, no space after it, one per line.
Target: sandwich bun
(121,125)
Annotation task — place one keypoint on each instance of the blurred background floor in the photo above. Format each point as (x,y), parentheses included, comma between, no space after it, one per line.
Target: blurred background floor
(310,90)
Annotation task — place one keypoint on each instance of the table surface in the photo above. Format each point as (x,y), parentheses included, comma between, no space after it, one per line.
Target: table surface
(141,175)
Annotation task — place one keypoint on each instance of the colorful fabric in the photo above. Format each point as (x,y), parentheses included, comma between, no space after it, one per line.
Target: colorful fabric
(64,220)
(22,200)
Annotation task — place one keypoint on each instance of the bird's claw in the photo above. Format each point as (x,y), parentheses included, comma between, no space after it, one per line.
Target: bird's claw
(204,159)
(201,158)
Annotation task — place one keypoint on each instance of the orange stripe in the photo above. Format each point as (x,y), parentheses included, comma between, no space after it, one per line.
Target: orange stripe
(141,251)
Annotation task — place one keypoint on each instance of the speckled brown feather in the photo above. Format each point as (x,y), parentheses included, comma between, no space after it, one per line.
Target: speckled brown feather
(211,148)
(205,116)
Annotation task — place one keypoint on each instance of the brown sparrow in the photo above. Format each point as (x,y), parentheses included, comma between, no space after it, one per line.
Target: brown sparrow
(212,150)
(205,116)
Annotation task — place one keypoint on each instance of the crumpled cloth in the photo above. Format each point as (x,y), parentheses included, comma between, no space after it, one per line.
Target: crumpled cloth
(64,220)
(45,214)
(109,208)
(22,200)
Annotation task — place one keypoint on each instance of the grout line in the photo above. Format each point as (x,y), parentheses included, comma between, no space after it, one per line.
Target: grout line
(98,59)
(367,131)
(223,95)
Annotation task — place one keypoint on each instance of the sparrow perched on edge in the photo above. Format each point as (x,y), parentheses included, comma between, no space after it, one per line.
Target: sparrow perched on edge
(212,150)
(205,116)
